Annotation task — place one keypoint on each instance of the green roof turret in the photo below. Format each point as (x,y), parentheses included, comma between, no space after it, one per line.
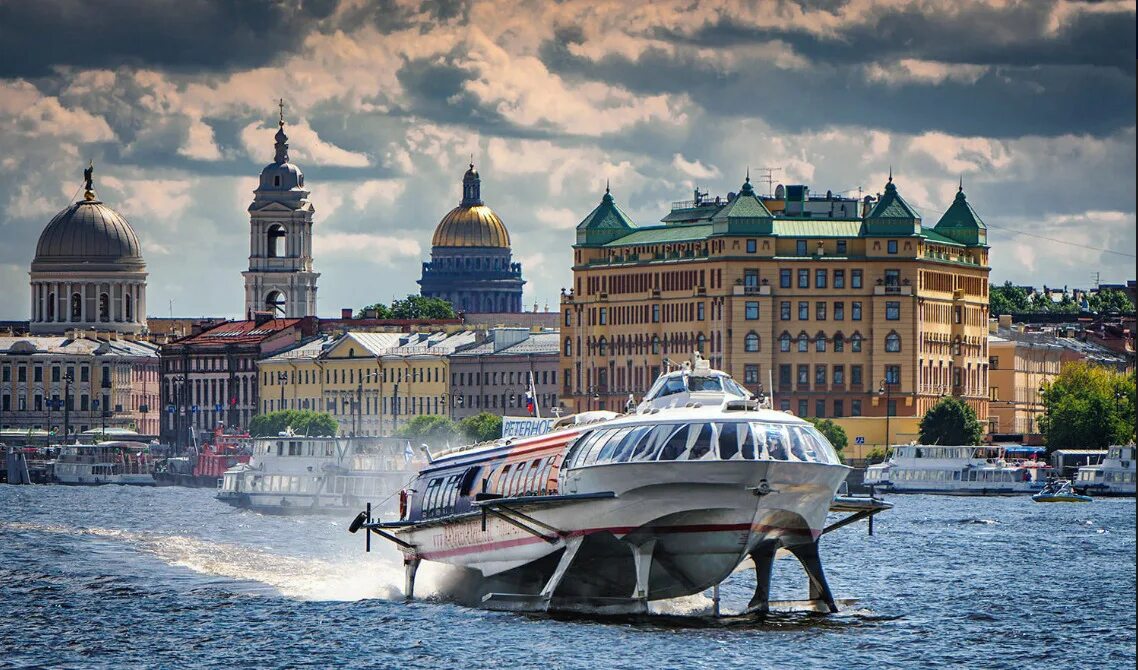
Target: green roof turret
(961,223)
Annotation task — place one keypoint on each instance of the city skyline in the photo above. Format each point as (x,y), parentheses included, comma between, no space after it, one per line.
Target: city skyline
(384,109)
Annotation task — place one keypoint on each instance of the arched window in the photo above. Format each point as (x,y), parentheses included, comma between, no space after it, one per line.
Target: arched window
(276,241)
(803,342)
(128,307)
(276,303)
(568,346)
(892,342)
(701,342)
(855,342)
(655,344)
(820,341)
(104,307)
(839,342)
(76,307)
(602,347)
(784,342)
(751,342)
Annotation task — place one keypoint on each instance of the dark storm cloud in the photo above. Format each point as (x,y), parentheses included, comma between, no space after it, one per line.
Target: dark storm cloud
(976,34)
(1006,101)
(182,35)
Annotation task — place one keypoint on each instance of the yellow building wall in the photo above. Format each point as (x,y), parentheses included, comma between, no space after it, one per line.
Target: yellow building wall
(902,430)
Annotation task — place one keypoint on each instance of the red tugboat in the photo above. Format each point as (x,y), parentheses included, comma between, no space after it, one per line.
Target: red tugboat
(203,466)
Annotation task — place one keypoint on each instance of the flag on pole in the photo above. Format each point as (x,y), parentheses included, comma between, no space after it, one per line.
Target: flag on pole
(530,405)
(531,398)
(408,452)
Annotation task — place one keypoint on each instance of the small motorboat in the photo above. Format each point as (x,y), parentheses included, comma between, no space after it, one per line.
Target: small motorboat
(1059,490)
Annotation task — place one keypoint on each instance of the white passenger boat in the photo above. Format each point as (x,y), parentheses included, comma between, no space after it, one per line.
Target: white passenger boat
(611,511)
(291,474)
(117,462)
(1114,476)
(959,470)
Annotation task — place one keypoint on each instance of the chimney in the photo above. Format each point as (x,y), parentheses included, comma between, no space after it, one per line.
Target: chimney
(261,318)
(345,312)
(1005,321)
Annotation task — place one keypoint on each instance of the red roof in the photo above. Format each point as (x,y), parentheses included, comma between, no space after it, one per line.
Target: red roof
(239,332)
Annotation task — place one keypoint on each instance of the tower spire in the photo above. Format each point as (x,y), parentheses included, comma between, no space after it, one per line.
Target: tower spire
(282,139)
(961,188)
(890,173)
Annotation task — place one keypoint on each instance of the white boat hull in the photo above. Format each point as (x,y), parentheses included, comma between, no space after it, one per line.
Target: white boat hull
(699,521)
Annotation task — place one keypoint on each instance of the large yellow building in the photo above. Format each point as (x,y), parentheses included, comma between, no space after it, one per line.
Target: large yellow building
(372,383)
(820,305)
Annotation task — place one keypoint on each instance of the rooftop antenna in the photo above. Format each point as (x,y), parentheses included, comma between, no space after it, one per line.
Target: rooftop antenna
(767,175)
(171,308)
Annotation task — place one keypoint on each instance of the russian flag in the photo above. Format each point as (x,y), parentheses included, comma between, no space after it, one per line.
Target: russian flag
(531,406)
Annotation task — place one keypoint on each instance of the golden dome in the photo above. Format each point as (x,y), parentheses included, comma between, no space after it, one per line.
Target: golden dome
(471,226)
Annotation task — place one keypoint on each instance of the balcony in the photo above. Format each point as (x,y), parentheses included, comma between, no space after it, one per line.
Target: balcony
(888,289)
(739,289)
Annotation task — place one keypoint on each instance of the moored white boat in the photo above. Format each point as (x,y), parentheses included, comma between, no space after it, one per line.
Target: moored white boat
(956,470)
(117,462)
(1114,476)
(615,512)
(291,474)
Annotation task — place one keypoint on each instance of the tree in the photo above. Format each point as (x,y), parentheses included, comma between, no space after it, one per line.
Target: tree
(951,422)
(481,427)
(1008,299)
(833,432)
(412,307)
(381,311)
(1088,407)
(1110,300)
(302,422)
(430,428)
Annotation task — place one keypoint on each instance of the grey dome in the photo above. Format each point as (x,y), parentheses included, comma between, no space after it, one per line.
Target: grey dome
(91,236)
(281,177)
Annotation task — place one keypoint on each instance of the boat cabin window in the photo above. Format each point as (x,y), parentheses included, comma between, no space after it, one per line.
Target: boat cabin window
(703,441)
(704,384)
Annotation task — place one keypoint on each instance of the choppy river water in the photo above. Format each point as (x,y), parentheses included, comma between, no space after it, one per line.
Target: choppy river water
(120,577)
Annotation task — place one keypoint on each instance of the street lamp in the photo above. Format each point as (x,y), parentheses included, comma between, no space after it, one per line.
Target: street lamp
(282,377)
(595,392)
(67,379)
(884,390)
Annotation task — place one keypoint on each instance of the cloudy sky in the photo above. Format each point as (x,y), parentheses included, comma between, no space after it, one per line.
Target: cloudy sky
(1033,103)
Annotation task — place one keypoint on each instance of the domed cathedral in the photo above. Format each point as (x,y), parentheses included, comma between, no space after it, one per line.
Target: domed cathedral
(280,279)
(88,271)
(470,257)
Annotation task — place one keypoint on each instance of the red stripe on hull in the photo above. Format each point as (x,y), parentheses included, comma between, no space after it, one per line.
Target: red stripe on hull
(619,530)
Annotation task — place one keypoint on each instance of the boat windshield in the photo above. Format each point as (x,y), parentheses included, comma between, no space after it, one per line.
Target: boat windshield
(702,441)
(704,384)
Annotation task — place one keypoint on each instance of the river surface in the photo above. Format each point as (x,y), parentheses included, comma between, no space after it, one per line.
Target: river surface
(118,577)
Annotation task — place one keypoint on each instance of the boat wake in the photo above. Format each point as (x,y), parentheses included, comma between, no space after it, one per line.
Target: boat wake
(302,578)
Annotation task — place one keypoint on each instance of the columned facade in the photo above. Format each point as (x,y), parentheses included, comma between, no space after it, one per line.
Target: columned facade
(280,279)
(88,272)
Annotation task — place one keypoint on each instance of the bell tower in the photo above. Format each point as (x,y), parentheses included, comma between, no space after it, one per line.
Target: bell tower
(280,278)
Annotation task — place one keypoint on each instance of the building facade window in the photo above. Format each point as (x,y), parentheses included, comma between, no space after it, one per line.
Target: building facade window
(855,407)
(784,310)
(784,342)
(784,278)
(839,278)
(568,346)
(892,374)
(855,343)
(819,408)
(820,278)
(820,310)
(855,311)
(892,343)
(784,376)
(604,316)
(892,277)
(803,342)
(803,375)
(839,342)
(751,311)
(699,311)
(752,246)
(568,318)
(839,375)
(751,342)
(839,410)
(842,246)
(855,375)
(892,311)
(819,375)
(802,408)
(750,277)
(820,342)
(855,278)
(800,248)
(891,246)
(839,311)
(750,373)
(803,311)
(803,279)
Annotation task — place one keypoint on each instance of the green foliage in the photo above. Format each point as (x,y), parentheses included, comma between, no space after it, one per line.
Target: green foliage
(876,455)
(1110,300)
(833,432)
(481,427)
(1088,407)
(430,428)
(302,422)
(382,311)
(412,307)
(951,422)
(1008,299)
